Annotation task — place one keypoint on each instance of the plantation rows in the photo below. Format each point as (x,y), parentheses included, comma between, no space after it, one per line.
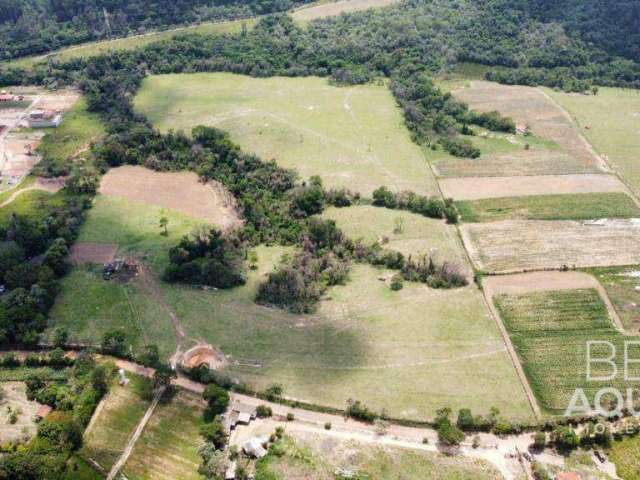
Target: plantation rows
(550,331)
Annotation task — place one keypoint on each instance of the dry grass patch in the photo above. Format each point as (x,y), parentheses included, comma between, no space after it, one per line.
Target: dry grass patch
(518,245)
(180,191)
(336,8)
(14,402)
(470,188)
(531,106)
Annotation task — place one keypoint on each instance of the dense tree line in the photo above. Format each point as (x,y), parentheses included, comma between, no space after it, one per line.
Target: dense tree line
(33,251)
(29,27)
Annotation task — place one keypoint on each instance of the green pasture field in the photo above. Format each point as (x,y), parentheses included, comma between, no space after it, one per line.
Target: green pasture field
(168,448)
(583,206)
(611,122)
(620,284)
(105,305)
(78,130)
(32,204)
(550,331)
(318,457)
(409,352)
(352,137)
(419,235)
(107,435)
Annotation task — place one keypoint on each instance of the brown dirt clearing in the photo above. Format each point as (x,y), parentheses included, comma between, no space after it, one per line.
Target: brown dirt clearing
(521,245)
(476,188)
(204,355)
(86,252)
(180,191)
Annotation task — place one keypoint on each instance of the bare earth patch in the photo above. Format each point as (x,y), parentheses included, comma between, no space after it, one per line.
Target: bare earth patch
(180,191)
(336,8)
(87,252)
(476,188)
(15,398)
(204,355)
(531,106)
(520,245)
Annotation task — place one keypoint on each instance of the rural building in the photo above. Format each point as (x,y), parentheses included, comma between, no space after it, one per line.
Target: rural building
(42,412)
(239,414)
(44,119)
(254,447)
(4,97)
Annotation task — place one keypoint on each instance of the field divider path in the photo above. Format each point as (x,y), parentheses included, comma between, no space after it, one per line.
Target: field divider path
(533,402)
(601,159)
(136,435)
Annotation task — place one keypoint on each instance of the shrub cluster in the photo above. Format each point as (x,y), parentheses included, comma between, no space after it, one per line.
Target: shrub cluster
(208,257)
(430,207)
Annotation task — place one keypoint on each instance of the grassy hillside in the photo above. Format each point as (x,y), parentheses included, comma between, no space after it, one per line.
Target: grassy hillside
(352,137)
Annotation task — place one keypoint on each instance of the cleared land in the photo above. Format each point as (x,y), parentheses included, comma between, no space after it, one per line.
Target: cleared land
(475,188)
(179,191)
(168,448)
(114,421)
(581,206)
(85,252)
(14,400)
(410,352)
(622,285)
(352,137)
(331,9)
(550,331)
(418,236)
(517,245)
(308,456)
(611,122)
(531,106)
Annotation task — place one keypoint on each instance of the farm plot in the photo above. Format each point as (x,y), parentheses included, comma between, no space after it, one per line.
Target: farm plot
(580,206)
(611,122)
(622,285)
(352,137)
(407,233)
(549,331)
(179,191)
(470,188)
(410,352)
(86,252)
(17,413)
(114,421)
(531,107)
(518,245)
(168,448)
